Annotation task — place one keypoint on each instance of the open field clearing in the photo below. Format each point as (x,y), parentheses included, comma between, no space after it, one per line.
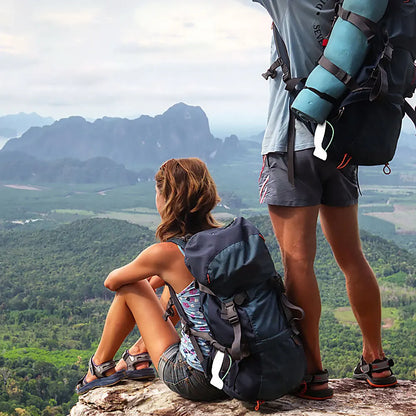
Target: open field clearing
(403,217)
(345,316)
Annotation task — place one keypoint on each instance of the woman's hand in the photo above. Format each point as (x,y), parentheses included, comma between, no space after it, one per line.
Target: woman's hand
(156,282)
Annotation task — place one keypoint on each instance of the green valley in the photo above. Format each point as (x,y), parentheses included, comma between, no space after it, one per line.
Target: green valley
(53,304)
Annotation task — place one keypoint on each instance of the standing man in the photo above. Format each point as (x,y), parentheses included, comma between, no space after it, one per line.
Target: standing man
(317,189)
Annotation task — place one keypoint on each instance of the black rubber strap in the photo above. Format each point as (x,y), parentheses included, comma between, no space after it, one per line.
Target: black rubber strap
(337,72)
(324,96)
(367,26)
(381,84)
(99,370)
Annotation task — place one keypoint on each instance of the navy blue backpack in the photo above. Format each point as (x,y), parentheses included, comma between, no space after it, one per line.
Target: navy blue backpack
(256,353)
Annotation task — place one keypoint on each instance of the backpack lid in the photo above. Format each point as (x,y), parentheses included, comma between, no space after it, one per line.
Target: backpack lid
(229,260)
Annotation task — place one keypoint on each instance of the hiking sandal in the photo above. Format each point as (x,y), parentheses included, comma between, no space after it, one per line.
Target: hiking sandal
(102,380)
(306,392)
(147,373)
(364,371)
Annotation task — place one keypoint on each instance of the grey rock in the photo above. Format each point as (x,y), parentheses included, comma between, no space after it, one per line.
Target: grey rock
(351,397)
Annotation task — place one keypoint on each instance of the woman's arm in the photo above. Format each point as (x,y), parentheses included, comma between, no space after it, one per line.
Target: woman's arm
(162,259)
(148,263)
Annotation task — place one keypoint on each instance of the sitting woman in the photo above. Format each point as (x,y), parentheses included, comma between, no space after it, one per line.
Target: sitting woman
(185,196)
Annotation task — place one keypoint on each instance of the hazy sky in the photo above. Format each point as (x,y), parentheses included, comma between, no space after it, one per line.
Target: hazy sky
(125,58)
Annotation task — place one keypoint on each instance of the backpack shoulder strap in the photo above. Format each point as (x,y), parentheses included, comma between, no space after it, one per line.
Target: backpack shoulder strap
(180,242)
(410,111)
(292,85)
(187,324)
(282,58)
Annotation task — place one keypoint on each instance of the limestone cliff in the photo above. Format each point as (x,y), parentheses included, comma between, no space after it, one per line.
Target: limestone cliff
(154,398)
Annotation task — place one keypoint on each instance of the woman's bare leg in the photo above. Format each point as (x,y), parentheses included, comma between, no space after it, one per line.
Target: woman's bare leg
(135,304)
(139,346)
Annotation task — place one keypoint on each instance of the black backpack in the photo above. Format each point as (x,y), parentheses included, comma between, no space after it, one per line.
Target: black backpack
(367,120)
(256,353)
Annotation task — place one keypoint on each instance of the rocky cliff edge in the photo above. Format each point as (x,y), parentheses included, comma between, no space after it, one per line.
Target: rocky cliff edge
(351,397)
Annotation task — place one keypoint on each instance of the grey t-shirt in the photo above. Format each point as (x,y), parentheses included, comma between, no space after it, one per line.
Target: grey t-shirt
(303,24)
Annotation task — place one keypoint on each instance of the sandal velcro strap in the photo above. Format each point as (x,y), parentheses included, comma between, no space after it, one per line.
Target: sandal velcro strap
(99,370)
(318,378)
(132,360)
(378,366)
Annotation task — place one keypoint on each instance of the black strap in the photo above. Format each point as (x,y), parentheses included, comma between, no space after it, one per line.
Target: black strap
(271,72)
(291,149)
(292,312)
(323,95)
(381,84)
(205,289)
(282,53)
(229,312)
(337,72)
(293,85)
(410,111)
(169,310)
(282,58)
(367,26)
(187,324)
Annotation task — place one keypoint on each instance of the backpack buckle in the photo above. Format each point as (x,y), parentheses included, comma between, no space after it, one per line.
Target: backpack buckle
(387,52)
(229,312)
(169,312)
(272,73)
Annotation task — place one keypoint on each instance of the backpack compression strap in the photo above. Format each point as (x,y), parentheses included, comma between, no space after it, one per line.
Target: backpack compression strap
(292,312)
(229,313)
(369,30)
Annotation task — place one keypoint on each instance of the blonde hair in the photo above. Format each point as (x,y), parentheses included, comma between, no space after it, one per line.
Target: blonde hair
(190,194)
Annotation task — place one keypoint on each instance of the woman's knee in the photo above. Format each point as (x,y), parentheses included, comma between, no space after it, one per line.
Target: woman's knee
(135,287)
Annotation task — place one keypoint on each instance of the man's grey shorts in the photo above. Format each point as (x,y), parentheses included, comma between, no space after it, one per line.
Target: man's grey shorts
(316,181)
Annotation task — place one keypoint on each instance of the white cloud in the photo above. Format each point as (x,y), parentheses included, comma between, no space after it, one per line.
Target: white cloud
(113,58)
